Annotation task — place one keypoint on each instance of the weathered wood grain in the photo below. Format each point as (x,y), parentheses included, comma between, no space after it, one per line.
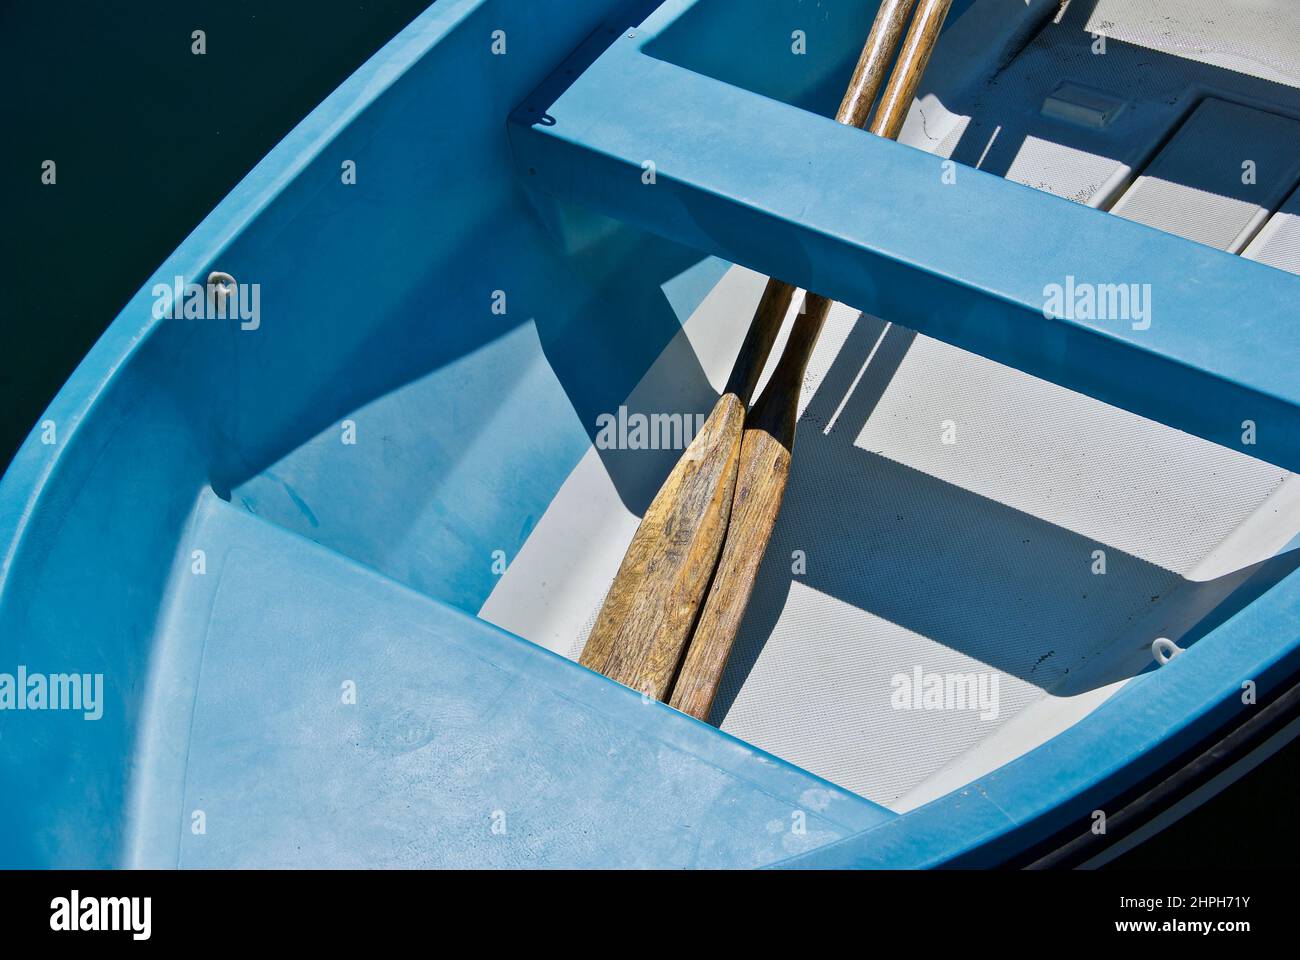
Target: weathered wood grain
(764,465)
(872,63)
(762,473)
(646,620)
(664,573)
(913,58)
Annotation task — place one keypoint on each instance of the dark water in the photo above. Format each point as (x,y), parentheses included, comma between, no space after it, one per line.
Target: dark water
(147,138)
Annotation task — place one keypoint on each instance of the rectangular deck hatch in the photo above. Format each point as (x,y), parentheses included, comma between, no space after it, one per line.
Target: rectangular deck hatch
(1224,172)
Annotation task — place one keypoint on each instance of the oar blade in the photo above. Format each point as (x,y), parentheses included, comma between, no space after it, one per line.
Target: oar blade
(760,487)
(648,614)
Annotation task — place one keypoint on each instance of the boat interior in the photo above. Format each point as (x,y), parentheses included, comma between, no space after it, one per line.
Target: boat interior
(304,556)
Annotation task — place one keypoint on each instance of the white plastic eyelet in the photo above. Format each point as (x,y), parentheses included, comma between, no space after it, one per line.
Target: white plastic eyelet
(1164,650)
(221,284)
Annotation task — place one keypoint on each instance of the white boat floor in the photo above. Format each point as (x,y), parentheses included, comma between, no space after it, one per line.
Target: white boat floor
(945,514)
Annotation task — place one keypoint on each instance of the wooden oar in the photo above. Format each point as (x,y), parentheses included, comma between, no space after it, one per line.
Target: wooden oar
(648,613)
(769,429)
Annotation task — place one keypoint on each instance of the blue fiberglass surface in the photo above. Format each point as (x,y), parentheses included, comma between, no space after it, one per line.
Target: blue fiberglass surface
(321,563)
(466,747)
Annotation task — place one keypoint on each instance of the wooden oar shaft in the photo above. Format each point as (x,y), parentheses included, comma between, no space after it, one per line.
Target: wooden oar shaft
(913,58)
(768,317)
(879,49)
(645,622)
(854,111)
(764,464)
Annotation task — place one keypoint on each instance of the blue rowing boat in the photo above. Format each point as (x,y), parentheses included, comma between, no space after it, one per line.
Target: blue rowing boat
(297,568)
